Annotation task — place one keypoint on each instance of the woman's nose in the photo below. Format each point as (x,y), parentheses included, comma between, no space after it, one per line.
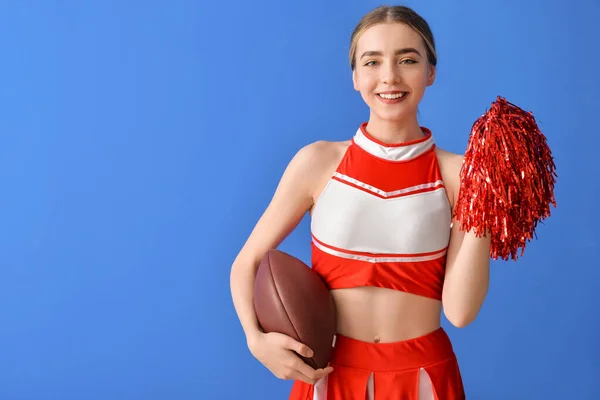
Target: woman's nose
(390,74)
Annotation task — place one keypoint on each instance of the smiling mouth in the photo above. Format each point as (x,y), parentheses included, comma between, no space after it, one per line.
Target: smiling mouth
(392,96)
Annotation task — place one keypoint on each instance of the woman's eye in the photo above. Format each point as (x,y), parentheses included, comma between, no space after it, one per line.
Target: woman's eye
(408,61)
(371,63)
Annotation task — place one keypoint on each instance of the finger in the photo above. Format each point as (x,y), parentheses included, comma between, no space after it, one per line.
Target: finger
(312,373)
(299,376)
(320,373)
(307,370)
(300,348)
(326,371)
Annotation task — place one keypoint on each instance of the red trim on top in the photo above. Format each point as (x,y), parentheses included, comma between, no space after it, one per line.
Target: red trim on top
(423,278)
(426,131)
(389,175)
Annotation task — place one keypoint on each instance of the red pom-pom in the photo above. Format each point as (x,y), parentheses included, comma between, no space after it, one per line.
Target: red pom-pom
(507,179)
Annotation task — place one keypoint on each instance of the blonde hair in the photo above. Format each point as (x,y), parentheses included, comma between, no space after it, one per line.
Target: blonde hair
(401,14)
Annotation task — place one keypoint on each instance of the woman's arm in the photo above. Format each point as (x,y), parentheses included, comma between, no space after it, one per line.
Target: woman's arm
(291,201)
(468,260)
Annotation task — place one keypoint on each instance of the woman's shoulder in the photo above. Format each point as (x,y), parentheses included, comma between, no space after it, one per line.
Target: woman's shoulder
(448,157)
(316,163)
(322,153)
(327,148)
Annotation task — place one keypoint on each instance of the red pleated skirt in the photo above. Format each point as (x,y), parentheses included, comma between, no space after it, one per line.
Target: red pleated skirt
(423,368)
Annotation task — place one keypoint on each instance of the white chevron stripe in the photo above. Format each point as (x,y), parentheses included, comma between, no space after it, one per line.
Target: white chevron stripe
(382,193)
(376,259)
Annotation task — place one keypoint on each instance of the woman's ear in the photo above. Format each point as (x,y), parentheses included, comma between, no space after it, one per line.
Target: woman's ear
(431,77)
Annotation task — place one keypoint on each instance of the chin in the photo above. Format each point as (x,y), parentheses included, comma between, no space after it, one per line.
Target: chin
(398,113)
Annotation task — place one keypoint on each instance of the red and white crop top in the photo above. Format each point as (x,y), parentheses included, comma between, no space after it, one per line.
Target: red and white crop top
(384,218)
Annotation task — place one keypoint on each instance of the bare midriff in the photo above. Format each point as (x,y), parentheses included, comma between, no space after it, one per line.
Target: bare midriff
(379,315)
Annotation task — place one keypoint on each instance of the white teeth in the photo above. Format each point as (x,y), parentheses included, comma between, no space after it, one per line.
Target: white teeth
(392,96)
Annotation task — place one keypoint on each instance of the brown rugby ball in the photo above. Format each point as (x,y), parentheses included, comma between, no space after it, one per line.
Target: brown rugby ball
(292,299)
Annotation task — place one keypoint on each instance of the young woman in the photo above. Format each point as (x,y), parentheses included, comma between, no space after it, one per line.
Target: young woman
(381,207)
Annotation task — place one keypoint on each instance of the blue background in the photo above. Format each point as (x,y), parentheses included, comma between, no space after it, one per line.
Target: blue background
(141,140)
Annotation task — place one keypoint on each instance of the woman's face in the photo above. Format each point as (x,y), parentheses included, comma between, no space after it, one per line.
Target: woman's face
(392,71)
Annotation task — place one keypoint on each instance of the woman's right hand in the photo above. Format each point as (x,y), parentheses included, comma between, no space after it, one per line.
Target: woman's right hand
(277,352)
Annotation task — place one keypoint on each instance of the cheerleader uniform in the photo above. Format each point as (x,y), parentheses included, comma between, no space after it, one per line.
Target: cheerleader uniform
(384,220)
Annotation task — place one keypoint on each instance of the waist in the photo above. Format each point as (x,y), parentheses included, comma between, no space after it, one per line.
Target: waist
(375,314)
(418,352)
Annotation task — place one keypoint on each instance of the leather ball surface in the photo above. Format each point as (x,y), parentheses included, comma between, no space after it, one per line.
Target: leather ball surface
(292,299)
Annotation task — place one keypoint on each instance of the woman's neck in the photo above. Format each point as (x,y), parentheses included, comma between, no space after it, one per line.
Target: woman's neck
(393,132)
